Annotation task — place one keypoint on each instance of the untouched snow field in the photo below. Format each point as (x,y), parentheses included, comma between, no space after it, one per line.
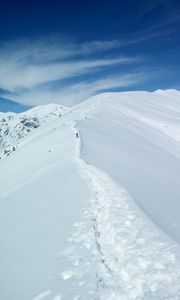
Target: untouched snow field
(94,216)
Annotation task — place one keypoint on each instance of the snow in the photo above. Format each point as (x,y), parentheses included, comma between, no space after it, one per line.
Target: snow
(126,258)
(42,295)
(126,136)
(39,203)
(93,215)
(14,127)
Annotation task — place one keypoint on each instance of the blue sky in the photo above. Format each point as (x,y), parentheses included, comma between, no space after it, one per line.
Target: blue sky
(67,51)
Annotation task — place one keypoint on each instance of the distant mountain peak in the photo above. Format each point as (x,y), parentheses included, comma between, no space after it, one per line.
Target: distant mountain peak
(15,126)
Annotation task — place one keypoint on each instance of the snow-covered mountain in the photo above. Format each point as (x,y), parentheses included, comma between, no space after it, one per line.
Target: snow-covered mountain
(14,127)
(89,199)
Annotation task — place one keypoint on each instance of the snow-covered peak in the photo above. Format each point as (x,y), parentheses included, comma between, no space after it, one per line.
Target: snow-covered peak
(46,111)
(169,91)
(15,126)
(129,96)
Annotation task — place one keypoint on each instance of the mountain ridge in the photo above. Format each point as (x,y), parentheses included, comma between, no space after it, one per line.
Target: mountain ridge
(89,201)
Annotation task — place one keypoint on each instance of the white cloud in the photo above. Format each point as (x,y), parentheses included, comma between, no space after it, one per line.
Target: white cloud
(50,49)
(14,76)
(75,93)
(27,69)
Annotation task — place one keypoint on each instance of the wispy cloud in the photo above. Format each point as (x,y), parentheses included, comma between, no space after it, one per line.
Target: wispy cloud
(74,93)
(14,77)
(52,49)
(28,69)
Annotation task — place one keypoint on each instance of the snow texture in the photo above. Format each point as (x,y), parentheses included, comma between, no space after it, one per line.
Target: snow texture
(115,253)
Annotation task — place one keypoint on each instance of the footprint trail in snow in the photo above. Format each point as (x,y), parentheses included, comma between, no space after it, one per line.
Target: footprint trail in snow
(114,252)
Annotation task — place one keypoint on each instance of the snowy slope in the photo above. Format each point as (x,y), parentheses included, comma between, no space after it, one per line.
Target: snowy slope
(41,194)
(78,215)
(135,137)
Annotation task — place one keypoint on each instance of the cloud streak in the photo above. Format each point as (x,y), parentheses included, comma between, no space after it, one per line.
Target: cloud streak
(29,69)
(13,77)
(75,93)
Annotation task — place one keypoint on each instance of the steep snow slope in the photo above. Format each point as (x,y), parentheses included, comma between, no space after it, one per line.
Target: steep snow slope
(135,137)
(113,251)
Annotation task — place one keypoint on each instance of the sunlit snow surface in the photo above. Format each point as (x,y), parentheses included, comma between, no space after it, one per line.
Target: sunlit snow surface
(70,226)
